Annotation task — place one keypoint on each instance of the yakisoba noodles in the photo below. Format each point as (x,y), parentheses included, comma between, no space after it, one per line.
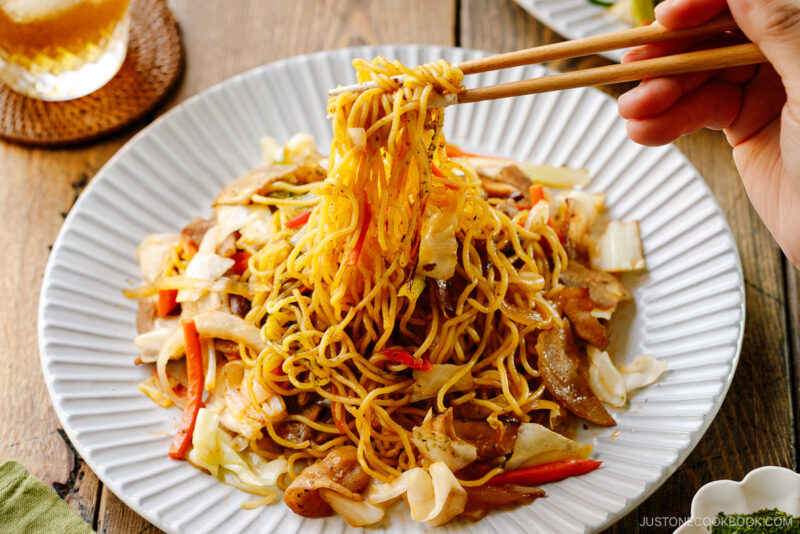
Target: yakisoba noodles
(399,319)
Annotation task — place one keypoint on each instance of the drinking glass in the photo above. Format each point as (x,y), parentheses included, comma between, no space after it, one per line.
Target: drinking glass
(61,49)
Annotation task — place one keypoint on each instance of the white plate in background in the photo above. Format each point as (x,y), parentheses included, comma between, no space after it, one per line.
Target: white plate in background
(689,306)
(574,19)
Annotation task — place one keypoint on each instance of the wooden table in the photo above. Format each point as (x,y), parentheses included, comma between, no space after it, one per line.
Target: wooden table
(756,425)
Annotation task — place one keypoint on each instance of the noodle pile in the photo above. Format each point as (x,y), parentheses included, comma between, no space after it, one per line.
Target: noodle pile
(402,323)
(350,285)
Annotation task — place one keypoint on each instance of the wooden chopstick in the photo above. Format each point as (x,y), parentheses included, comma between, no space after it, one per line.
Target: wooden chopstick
(652,33)
(701,60)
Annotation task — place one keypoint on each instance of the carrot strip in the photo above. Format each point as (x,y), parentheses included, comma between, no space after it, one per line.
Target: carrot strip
(167,301)
(194,393)
(453,151)
(541,474)
(298,221)
(536,193)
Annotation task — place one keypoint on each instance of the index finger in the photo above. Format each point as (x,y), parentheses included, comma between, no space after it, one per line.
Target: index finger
(678,14)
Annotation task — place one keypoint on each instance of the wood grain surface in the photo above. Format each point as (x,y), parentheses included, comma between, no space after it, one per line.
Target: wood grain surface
(756,425)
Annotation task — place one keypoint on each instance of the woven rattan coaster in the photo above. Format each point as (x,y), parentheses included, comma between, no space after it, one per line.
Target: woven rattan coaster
(150,70)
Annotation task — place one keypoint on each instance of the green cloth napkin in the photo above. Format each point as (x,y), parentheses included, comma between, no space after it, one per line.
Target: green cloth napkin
(28,506)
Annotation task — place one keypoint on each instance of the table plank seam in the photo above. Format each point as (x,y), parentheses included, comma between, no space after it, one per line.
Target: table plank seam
(791,279)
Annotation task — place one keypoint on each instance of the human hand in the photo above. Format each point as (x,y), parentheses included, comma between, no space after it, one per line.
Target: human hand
(758,107)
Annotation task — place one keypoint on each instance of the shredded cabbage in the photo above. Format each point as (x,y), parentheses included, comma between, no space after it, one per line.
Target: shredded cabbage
(619,248)
(229,220)
(299,148)
(438,246)
(227,326)
(427,383)
(437,442)
(212,450)
(590,204)
(611,384)
(150,387)
(605,380)
(204,266)
(153,254)
(643,371)
(538,445)
(259,228)
(434,496)
(450,497)
(150,343)
(271,151)
(356,513)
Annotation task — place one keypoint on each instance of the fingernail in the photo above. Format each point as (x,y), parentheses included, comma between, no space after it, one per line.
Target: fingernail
(660,7)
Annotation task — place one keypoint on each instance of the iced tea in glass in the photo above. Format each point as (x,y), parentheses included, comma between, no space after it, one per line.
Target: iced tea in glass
(61,49)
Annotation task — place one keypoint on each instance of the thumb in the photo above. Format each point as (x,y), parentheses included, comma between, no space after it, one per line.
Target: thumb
(774,25)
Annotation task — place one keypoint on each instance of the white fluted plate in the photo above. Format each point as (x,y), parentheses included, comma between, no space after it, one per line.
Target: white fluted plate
(689,305)
(574,19)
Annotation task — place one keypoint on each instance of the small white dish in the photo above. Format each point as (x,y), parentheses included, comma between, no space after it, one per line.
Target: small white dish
(766,487)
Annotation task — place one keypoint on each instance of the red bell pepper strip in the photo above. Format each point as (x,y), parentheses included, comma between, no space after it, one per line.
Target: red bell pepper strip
(536,193)
(242,260)
(167,301)
(541,474)
(194,393)
(298,221)
(355,252)
(406,358)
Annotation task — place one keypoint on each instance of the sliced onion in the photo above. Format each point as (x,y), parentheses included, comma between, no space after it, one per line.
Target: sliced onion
(358,136)
(356,513)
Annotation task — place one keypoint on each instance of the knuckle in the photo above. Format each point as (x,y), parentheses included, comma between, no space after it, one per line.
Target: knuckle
(782,19)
